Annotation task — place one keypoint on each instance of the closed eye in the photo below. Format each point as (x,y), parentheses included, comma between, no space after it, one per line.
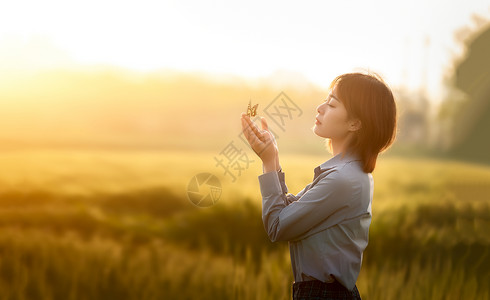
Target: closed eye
(329,102)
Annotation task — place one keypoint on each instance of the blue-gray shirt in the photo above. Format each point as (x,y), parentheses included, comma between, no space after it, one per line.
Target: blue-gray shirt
(326,224)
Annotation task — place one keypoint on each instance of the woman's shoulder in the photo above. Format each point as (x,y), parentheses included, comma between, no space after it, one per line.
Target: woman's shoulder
(349,168)
(349,174)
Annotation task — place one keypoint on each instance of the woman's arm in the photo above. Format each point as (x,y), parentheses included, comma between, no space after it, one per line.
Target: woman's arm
(270,166)
(286,216)
(326,201)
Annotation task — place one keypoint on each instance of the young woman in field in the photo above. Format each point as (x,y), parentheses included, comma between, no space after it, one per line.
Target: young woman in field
(327,223)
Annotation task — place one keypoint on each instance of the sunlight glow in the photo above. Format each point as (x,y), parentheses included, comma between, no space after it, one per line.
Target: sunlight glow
(406,42)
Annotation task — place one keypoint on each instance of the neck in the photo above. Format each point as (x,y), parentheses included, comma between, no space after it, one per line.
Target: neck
(337,149)
(340,146)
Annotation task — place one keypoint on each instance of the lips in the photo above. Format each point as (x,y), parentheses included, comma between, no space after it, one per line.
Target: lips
(317,122)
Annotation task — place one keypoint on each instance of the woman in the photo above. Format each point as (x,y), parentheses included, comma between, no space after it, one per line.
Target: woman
(327,223)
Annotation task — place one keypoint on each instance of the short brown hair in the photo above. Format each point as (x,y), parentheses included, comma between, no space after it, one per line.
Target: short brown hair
(368,98)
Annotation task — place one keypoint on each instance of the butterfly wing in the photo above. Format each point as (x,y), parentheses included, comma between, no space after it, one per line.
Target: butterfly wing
(253,111)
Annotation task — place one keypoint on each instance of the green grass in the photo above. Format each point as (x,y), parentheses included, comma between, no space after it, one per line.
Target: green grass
(102,225)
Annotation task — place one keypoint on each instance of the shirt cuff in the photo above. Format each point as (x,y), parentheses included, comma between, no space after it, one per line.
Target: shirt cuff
(282,181)
(270,184)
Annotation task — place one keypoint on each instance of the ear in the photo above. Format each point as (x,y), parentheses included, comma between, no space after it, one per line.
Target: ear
(355,125)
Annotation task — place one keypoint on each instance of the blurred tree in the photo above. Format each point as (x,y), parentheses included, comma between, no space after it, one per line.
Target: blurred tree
(466,111)
(413,121)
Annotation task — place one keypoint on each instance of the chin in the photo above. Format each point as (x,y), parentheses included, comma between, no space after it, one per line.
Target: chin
(316,130)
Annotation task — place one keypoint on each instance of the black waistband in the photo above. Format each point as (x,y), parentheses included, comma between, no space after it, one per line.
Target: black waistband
(333,286)
(316,289)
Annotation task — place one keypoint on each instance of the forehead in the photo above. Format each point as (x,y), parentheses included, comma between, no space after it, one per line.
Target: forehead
(333,94)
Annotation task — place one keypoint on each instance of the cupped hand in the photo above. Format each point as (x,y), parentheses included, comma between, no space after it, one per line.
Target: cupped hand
(262,140)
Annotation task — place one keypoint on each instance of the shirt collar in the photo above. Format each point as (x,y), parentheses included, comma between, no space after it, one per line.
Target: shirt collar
(335,161)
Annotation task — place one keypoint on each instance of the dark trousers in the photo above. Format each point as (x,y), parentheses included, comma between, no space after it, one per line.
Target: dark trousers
(317,290)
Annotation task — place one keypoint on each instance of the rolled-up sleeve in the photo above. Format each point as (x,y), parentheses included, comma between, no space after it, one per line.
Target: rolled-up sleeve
(286,220)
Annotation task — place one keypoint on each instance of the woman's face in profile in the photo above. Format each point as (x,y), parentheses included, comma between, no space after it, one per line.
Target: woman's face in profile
(332,118)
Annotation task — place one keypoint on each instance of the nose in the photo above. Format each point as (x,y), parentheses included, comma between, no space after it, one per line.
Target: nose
(319,108)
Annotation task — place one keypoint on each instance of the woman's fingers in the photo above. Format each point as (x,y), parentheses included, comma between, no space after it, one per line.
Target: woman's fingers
(265,126)
(251,127)
(255,143)
(249,133)
(259,139)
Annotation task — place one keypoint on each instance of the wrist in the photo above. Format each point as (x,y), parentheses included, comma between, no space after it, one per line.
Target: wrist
(269,166)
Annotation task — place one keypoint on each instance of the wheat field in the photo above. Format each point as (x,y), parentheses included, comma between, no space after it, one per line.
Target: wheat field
(118,225)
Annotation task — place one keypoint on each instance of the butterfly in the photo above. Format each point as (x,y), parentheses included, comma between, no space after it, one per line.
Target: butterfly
(252,111)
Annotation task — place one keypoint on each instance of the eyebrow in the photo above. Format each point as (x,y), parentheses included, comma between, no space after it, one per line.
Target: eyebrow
(333,96)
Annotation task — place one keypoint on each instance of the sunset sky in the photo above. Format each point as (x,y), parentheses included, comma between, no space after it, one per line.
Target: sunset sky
(315,40)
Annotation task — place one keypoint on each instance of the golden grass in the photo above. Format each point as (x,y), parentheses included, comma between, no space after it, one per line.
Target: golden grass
(117,225)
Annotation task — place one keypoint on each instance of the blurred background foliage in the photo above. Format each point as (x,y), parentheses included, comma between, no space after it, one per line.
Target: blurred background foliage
(466,111)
